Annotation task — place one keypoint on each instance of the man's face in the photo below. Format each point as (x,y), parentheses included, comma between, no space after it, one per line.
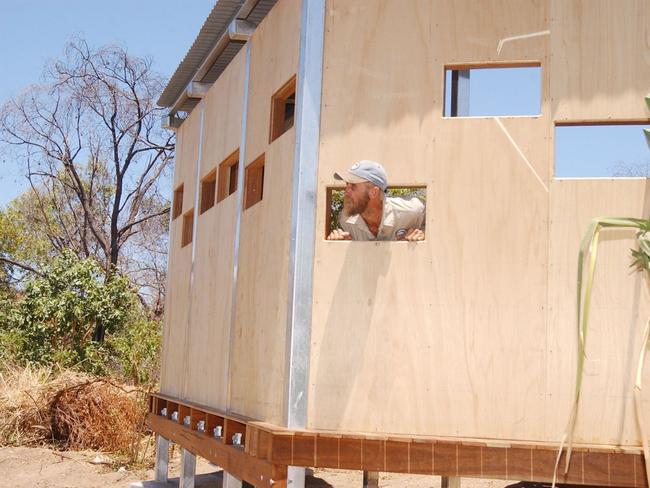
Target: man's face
(356,198)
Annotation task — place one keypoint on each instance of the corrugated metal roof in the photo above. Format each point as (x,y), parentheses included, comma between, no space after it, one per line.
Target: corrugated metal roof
(222,14)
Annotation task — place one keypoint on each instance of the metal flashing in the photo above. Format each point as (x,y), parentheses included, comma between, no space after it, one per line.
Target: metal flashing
(303,212)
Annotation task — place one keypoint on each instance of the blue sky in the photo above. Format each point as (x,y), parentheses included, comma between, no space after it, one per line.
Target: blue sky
(35,31)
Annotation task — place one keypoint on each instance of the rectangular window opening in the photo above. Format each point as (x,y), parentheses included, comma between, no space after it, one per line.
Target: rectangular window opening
(335,196)
(177,208)
(602,150)
(283,105)
(228,172)
(254,182)
(188,228)
(208,191)
(493,90)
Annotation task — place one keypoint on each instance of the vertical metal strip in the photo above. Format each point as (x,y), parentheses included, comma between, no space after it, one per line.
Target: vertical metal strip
(303,211)
(239,209)
(195,225)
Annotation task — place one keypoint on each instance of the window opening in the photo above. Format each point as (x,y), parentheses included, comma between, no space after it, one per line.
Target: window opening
(494,90)
(335,195)
(592,150)
(254,182)
(208,191)
(283,104)
(228,172)
(177,209)
(188,228)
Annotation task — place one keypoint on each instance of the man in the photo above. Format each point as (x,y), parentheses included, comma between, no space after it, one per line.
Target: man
(369,215)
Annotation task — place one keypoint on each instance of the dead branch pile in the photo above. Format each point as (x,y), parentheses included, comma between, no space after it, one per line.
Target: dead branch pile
(69,409)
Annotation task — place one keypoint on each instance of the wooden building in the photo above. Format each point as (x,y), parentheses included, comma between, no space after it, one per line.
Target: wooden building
(455,356)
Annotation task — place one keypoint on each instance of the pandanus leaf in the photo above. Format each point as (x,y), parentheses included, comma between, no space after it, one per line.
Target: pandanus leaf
(589,252)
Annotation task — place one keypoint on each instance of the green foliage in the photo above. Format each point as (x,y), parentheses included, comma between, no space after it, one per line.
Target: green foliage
(53,320)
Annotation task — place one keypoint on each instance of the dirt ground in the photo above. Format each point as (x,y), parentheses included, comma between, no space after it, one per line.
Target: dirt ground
(24,467)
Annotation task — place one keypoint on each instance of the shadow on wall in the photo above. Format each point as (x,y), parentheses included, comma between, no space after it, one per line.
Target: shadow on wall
(348,346)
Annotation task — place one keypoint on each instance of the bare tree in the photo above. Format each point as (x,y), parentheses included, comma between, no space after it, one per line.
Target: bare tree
(94,153)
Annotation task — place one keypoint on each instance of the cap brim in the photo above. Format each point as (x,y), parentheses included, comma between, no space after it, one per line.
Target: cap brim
(348,177)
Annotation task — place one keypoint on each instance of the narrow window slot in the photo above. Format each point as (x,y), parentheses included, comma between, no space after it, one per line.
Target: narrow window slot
(228,173)
(283,105)
(208,190)
(254,182)
(177,209)
(188,228)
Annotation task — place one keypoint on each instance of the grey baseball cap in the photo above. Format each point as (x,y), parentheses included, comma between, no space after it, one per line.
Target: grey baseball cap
(365,170)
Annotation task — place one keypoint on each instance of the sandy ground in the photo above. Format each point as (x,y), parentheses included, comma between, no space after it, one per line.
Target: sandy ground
(24,467)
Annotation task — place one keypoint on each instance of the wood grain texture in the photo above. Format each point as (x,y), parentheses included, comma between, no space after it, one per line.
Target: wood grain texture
(206,364)
(177,299)
(431,332)
(619,310)
(601,59)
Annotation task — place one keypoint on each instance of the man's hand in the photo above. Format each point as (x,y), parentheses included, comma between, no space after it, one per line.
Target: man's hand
(413,235)
(339,235)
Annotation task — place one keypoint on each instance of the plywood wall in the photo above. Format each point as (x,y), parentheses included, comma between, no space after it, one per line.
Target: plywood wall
(600,58)
(180,262)
(208,340)
(470,333)
(259,343)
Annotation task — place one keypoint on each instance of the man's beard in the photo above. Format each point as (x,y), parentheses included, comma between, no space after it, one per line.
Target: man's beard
(351,209)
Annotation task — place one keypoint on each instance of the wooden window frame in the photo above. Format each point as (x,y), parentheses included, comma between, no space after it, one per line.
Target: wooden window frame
(254,182)
(188,228)
(177,206)
(228,175)
(279,122)
(208,191)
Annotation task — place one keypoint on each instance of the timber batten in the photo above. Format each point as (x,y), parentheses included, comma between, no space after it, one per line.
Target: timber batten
(269,449)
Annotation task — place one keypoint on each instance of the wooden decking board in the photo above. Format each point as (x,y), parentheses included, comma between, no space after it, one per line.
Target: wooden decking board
(269,449)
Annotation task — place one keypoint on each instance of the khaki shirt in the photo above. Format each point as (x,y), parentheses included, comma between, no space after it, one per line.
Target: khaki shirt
(400,214)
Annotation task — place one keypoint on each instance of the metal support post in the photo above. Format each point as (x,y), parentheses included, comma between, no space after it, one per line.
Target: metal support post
(229,481)
(450,481)
(188,469)
(162,458)
(370,479)
(295,477)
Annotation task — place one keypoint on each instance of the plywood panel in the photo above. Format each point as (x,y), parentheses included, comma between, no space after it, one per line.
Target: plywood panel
(619,311)
(223,108)
(180,261)
(207,357)
(258,354)
(445,337)
(274,60)
(601,58)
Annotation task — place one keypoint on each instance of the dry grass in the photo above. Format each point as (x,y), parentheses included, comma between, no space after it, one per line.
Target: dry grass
(43,405)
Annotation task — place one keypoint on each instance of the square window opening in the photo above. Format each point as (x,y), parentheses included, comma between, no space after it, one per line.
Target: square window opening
(335,195)
(228,174)
(177,208)
(493,90)
(208,191)
(188,228)
(254,182)
(283,104)
(602,150)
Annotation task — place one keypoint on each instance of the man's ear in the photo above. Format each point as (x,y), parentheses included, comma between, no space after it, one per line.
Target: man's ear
(374,191)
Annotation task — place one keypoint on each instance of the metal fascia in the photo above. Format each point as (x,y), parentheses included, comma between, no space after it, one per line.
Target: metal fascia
(303,211)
